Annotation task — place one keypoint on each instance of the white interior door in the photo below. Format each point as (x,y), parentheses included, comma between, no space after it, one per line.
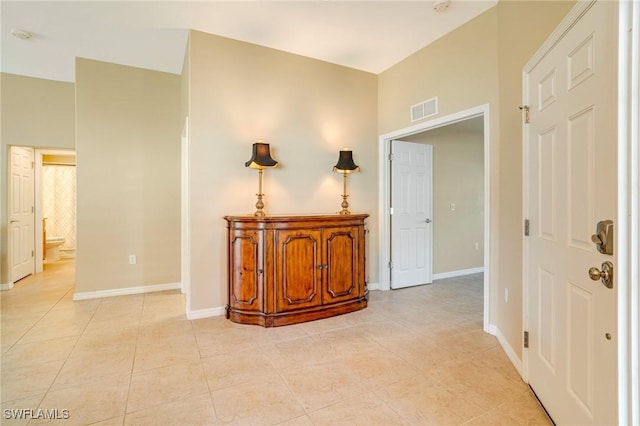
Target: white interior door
(571,172)
(21,215)
(411,220)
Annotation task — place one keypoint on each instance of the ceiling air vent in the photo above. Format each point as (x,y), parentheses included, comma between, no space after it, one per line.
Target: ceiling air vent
(424,109)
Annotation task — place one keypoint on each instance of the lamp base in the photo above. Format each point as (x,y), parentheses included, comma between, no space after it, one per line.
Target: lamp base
(345,205)
(259,206)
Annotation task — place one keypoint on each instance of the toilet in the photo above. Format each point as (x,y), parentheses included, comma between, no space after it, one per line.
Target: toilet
(52,248)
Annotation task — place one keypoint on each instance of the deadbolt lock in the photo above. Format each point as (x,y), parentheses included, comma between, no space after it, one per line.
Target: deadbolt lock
(606,274)
(603,238)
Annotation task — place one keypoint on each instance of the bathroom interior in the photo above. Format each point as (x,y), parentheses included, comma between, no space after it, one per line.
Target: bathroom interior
(58,206)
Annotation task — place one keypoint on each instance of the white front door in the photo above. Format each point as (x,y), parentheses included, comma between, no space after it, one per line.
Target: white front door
(570,164)
(411,220)
(21,216)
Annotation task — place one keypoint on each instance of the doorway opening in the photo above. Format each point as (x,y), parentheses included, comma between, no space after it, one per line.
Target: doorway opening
(55,207)
(385,189)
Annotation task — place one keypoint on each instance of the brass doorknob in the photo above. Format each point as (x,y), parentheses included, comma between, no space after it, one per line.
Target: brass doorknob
(606,274)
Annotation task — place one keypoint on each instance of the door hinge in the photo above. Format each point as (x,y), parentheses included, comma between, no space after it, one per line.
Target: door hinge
(390,210)
(390,157)
(525,110)
(390,265)
(31,253)
(527,227)
(33,165)
(526,339)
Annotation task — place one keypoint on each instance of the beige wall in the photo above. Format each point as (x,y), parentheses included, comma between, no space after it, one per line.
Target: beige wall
(128,152)
(523,27)
(306,109)
(464,61)
(481,63)
(458,178)
(37,113)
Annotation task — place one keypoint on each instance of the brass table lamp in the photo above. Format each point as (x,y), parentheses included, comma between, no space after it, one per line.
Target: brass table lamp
(260,159)
(345,166)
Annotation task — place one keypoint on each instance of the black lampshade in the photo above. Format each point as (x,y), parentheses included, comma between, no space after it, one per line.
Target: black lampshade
(260,157)
(345,162)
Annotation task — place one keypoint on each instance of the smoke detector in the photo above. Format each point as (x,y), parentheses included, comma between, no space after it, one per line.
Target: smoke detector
(441,5)
(21,34)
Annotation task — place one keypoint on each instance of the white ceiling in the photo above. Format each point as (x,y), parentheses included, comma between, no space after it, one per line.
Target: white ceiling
(366,35)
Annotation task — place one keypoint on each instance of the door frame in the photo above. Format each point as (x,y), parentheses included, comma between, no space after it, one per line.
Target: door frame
(629,212)
(185,215)
(384,202)
(628,245)
(628,235)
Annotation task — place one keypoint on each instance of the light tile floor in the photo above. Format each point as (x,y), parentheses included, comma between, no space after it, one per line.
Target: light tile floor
(414,356)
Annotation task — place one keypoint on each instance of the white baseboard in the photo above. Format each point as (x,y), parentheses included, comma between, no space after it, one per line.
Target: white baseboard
(511,354)
(7,286)
(373,286)
(205,313)
(126,291)
(458,273)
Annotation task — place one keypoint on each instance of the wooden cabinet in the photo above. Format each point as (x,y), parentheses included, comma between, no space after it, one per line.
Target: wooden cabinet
(290,269)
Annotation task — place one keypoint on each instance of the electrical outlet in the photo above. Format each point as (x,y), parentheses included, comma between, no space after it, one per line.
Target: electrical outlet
(452,206)
(132,259)
(477,246)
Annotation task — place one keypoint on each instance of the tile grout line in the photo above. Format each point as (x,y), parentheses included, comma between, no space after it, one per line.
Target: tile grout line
(133,361)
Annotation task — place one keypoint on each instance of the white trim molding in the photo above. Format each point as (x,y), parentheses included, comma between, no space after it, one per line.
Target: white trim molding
(185,213)
(7,286)
(373,286)
(458,273)
(628,226)
(126,291)
(517,363)
(205,313)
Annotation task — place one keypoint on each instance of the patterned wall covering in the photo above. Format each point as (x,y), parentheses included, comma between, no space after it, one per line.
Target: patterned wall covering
(59,202)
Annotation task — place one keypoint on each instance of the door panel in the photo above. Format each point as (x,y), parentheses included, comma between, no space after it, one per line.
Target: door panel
(341,276)
(547,324)
(581,188)
(411,227)
(572,357)
(580,346)
(246,266)
(298,272)
(21,215)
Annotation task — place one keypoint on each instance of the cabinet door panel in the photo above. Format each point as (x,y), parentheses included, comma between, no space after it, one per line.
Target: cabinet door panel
(246,270)
(297,269)
(342,274)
